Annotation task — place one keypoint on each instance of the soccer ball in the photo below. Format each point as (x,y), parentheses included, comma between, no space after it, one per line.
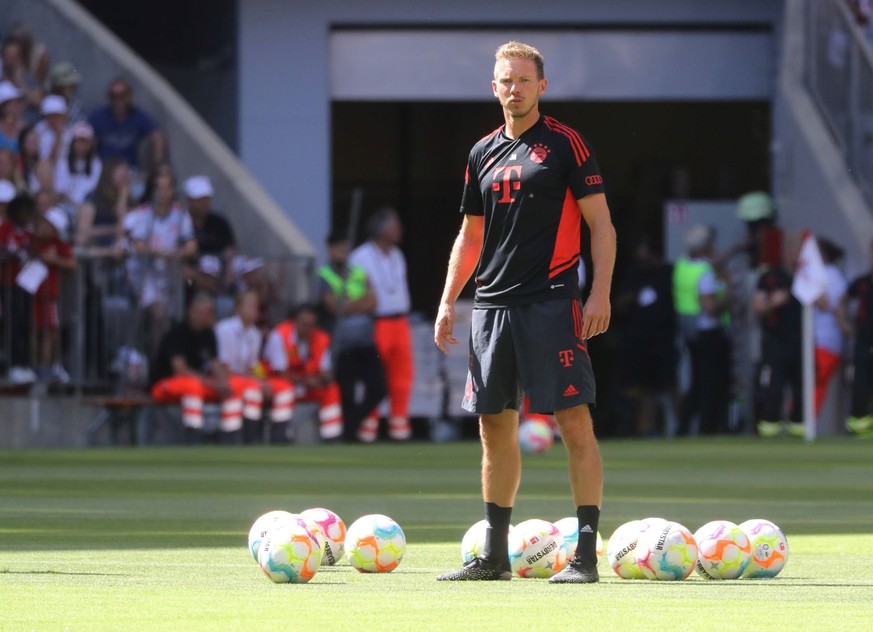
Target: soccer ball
(289,553)
(333,530)
(667,552)
(769,548)
(536,549)
(535,436)
(473,542)
(262,525)
(375,544)
(569,528)
(722,550)
(621,549)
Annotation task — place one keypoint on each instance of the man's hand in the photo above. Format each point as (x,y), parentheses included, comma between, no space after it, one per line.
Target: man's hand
(595,315)
(444,326)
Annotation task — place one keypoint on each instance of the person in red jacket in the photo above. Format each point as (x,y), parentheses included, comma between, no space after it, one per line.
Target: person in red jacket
(16,303)
(298,351)
(57,256)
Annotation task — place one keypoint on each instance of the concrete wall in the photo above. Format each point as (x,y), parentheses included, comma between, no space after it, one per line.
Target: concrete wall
(285,65)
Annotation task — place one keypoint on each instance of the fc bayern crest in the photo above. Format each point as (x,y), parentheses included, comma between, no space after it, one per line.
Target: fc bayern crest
(539,152)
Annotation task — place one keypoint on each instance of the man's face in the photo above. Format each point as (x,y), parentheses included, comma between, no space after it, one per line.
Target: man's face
(517,86)
(248,308)
(305,323)
(201,315)
(120,98)
(338,252)
(199,207)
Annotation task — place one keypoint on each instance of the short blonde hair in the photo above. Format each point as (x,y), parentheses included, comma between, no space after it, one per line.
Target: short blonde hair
(522,51)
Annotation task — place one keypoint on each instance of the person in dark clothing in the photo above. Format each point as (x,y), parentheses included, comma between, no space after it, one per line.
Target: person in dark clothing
(647,351)
(348,303)
(860,295)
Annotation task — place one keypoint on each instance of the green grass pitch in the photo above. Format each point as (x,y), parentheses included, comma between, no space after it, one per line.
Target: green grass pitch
(155,539)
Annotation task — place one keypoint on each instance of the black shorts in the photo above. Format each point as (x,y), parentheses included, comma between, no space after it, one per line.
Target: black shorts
(534,349)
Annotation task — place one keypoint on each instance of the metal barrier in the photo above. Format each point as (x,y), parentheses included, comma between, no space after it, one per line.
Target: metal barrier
(839,76)
(113,310)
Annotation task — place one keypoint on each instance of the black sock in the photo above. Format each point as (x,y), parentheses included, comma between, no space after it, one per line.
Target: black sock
(586,549)
(496,548)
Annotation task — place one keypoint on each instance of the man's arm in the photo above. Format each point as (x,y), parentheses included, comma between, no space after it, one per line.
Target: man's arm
(462,263)
(596,311)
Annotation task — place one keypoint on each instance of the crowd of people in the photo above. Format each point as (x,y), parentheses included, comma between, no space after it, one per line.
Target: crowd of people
(693,308)
(95,188)
(329,353)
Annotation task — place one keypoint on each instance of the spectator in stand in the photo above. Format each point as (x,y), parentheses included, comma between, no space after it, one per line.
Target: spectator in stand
(162,238)
(11,119)
(186,370)
(700,299)
(239,348)
(348,302)
(647,351)
(7,192)
(51,129)
(121,128)
(64,81)
(14,68)
(16,235)
(78,170)
(298,351)
(385,266)
(35,173)
(856,314)
(100,218)
(215,239)
(9,169)
(57,256)
(34,54)
(780,315)
(827,329)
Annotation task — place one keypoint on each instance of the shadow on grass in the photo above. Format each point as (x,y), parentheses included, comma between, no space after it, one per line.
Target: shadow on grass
(6,571)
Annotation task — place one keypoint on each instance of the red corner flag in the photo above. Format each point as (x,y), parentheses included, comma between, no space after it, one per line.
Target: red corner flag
(810,279)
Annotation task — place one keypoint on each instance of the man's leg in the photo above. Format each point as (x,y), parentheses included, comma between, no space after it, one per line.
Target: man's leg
(586,482)
(501,473)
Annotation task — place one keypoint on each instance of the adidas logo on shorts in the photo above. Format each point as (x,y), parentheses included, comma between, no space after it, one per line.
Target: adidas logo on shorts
(570,391)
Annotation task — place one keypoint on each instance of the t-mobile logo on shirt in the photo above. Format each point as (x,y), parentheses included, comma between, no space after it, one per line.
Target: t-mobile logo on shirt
(506,180)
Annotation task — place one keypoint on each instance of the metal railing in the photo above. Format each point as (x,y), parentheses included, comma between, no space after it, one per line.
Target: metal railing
(113,310)
(839,76)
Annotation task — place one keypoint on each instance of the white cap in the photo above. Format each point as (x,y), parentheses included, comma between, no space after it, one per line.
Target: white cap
(8,92)
(198,187)
(53,104)
(58,219)
(7,191)
(211,265)
(698,236)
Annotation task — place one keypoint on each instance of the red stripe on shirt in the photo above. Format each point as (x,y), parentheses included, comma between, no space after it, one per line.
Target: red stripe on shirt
(566,252)
(579,149)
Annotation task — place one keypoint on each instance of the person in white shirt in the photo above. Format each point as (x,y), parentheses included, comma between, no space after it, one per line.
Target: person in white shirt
(826,325)
(239,342)
(162,237)
(78,170)
(52,128)
(386,269)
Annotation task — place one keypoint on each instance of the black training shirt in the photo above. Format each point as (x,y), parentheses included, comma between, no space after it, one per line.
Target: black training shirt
(527,189)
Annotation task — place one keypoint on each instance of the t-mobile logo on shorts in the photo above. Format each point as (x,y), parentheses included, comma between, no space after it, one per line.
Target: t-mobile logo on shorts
(566,357)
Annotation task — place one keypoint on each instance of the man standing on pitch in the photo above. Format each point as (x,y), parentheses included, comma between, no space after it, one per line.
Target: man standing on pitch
(527,187)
